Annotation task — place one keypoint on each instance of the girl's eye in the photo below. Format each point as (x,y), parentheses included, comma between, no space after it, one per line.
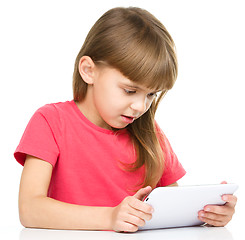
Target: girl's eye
(129,91)
(152,95)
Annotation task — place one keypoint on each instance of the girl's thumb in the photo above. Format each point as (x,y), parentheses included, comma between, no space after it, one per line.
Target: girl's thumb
(143,192)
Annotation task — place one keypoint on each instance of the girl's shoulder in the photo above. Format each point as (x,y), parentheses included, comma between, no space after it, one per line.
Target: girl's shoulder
(55,108)
(54,112)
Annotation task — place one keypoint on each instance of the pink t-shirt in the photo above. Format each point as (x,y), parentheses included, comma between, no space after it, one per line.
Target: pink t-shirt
(86,159)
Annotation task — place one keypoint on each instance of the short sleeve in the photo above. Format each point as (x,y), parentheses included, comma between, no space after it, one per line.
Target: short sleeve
(38,140)
(173,170)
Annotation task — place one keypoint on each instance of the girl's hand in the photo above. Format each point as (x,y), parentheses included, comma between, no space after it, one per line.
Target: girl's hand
(219,216)
(132,212)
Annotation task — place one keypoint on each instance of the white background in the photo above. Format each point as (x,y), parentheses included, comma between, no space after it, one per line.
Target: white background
(203,115)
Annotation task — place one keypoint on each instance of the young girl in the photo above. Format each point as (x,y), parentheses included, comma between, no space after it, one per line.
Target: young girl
(88,163)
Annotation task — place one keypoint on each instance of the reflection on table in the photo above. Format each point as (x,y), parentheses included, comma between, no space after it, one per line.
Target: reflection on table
(187,233)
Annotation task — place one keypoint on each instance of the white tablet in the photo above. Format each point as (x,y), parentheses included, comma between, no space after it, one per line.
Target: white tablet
(179,206)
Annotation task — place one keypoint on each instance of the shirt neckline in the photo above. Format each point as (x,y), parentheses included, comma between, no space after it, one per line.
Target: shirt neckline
(88,122)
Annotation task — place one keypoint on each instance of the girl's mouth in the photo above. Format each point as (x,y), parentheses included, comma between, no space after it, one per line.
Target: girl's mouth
(127,119)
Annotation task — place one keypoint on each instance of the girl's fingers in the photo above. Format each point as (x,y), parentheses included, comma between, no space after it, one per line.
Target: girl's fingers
(214,216)
(226,209)
(139,205)
(220,210)
(130,214)
(143,192)
(223,182)
(130,222)
(139,214)
(230,199)
(132,219)
(127,227)
(212,222)
(218,215)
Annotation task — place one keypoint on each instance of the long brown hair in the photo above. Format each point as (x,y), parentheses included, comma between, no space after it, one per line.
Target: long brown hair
(138,45)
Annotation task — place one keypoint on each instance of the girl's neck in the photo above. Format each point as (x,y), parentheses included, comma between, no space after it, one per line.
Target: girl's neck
(88,109)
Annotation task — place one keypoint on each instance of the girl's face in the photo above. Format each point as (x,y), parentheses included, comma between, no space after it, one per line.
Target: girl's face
(115,101)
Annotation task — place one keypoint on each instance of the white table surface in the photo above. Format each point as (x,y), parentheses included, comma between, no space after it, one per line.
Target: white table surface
(191,233)
(187,233)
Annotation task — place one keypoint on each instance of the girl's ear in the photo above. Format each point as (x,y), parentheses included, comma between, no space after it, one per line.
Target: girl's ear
(86,69)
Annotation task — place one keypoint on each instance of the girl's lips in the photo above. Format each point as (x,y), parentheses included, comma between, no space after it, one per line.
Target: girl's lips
(127,119)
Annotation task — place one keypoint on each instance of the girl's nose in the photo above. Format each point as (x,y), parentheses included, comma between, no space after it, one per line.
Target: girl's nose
(139,105)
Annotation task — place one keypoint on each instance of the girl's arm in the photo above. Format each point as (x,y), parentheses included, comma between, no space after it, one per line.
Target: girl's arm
(39,211)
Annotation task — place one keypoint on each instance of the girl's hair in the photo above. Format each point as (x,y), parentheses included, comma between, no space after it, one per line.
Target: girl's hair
(137,44)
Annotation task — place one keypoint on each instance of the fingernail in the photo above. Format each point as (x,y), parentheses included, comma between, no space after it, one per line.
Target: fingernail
(207,209)
(225,198)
